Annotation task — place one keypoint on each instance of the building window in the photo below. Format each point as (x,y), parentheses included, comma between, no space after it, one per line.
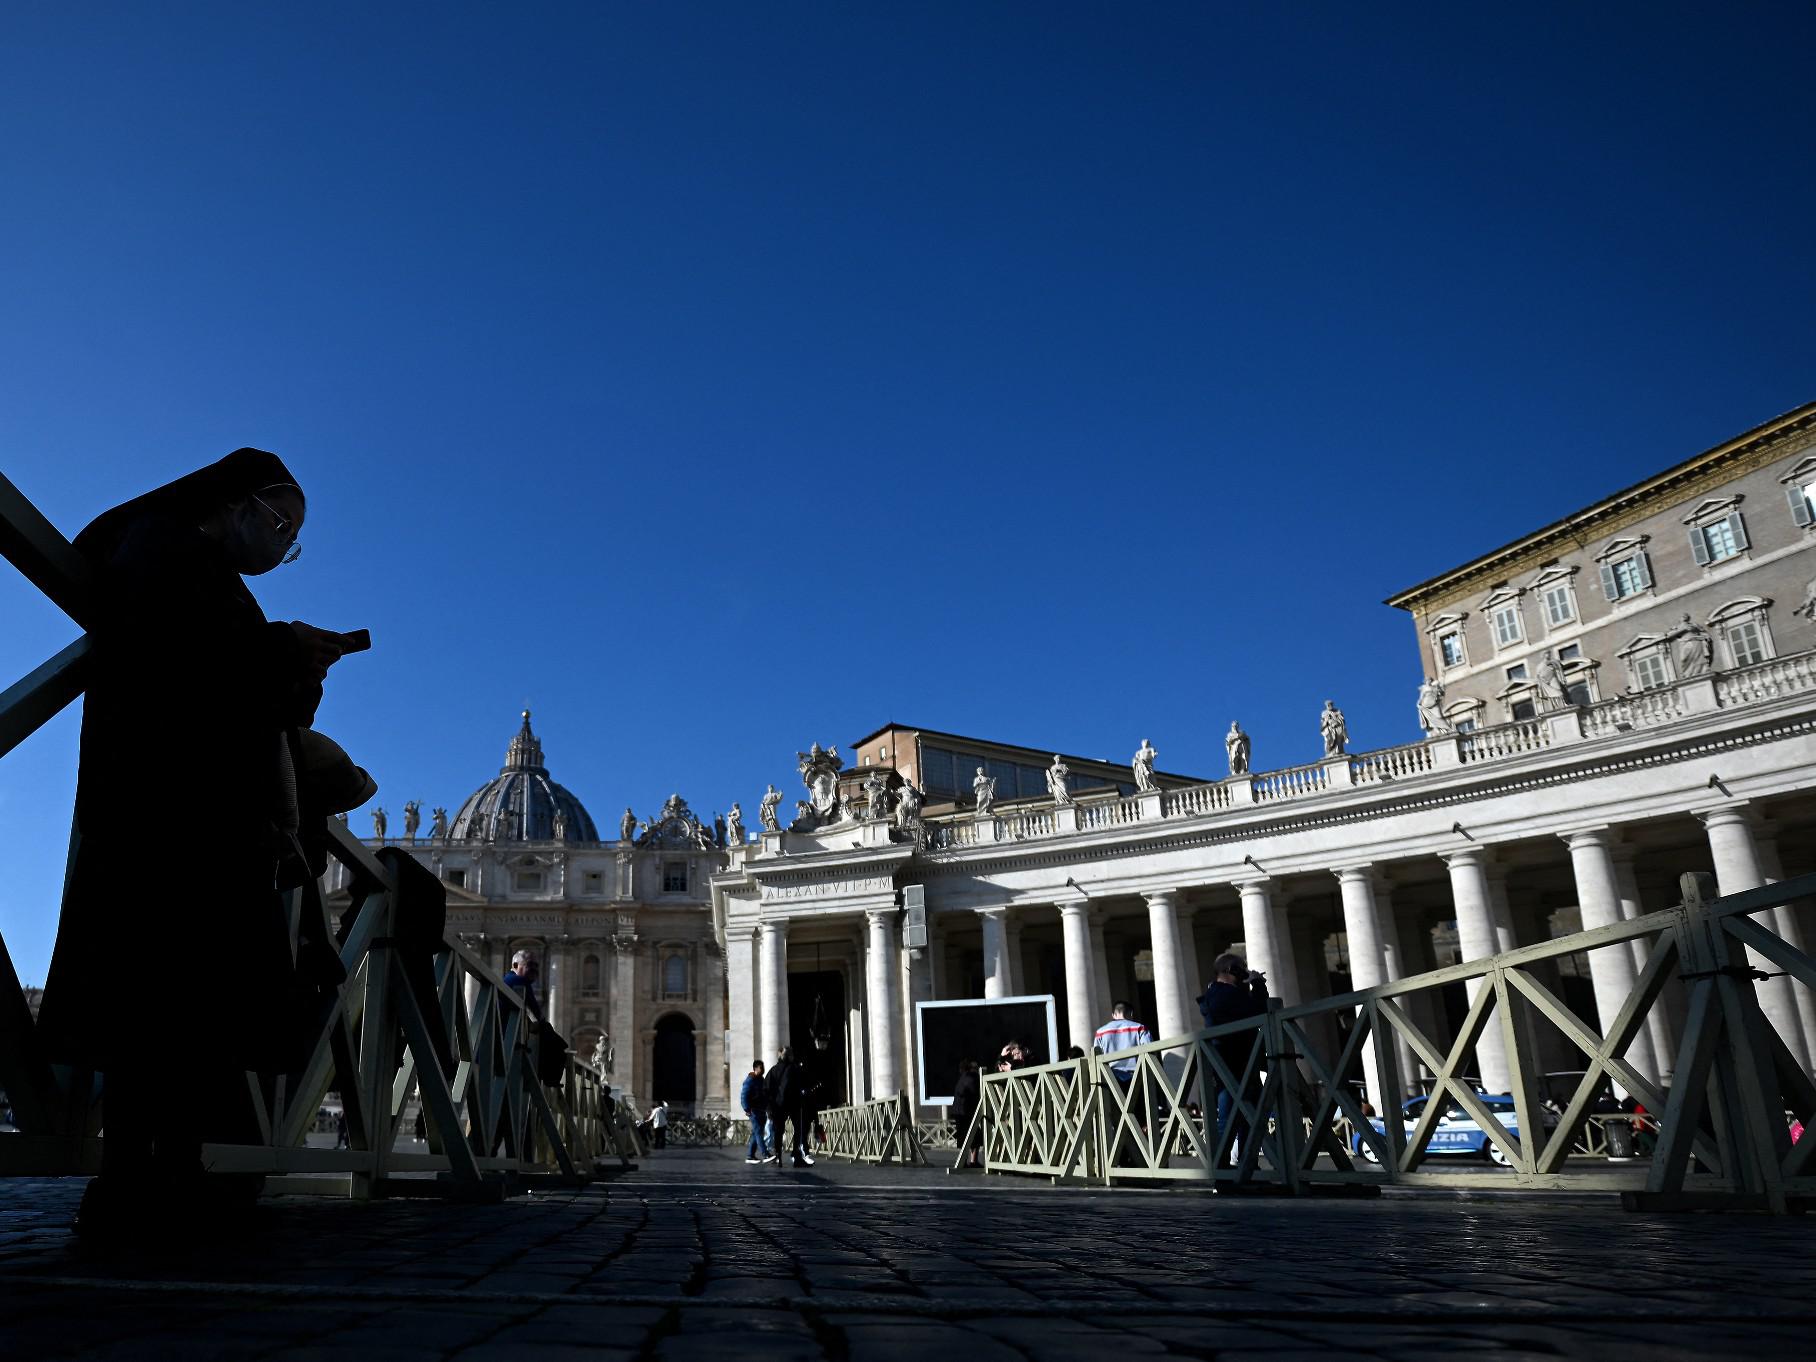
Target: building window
(1719,541)
(1517,672)
(1650,671)
(1465,725)
(593,882)
(1743,627)
(1507,629)
(1802,496)
(1747,643)
(1560,605)
(589,977)
(457,878)
(1450,648)
(674,877)
(527,881)
(674,977)
(1627,576)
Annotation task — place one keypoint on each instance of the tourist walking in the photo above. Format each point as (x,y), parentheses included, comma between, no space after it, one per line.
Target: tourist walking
(754,1098)
(658,1121)
(1235,994)
(787,1090)
(1121,1032)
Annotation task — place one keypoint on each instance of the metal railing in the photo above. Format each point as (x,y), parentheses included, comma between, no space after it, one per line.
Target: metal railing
(1720,1133)
(882,1130)
(439,1032)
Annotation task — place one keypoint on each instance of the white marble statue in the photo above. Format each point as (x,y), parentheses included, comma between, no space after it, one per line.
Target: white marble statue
(734,826)
(379,823)
(1807,606)
(876,795)
(908,805)
(560,826)
(1333,729)
(627,826)
(819,769)
(1056,781)
(1431,708)
(438,824)
(412,819)
(1236,745)
(1695,649)
(766,810)
(1143,766)
(1553,686)
(983,790)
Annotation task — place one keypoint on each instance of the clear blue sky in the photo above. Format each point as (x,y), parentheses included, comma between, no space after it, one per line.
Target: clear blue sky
(721,378)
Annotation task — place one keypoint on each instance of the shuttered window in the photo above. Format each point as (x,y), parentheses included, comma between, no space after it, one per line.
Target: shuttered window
(1747,643)
(1450,649)
(1802,496)
(1626,576)
(1718,541)
(1559,608)
(1507,624)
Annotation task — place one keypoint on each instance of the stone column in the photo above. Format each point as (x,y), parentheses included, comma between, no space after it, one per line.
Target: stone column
(772,953)
(880,978)
(1266,938)
(996,952)
(1660,1025)
(1190,985)
(1611,972)
(1397,965)
(1367,963)
(918,987)
(714,1065)
(1476,938)
(1738,868)
(623,1008)
(1103,990)
(1784,920)
(1013,953)
(1163,940)
(741,1000)
(554,989)
(1081,1007)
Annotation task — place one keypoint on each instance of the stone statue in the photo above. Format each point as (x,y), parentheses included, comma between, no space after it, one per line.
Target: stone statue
(1056,781)
(1807,606)
(378,824)
(438,824)
(560,826)
(1553,686)
(983,790)
(412,819)
(1695,649)
(1431,708)
(1333,729)
(627,826)
(507,825)
(819,769)
(766,810)
(1143,766)
(599,1053)
(719,830)
(908,805)
(734,826)
(803,814)
(876,795)
(1236,743)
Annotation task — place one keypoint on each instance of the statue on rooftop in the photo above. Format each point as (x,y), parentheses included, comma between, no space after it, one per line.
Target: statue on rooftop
(1143,766)
(560,826)
(909,802)
(719,833)
(1236,745)
(627,826)
(438,824)
(1431,712)
(379,823)
(983,791)
(1553,686)
(1695,649)
(1057,774)
(819,769)
(412,819)
(1333,729)
(766,810)
(734,826)
(876,795)
(1807,606)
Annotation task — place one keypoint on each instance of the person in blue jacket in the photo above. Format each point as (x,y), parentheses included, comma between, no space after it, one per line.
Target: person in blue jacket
(754,1098)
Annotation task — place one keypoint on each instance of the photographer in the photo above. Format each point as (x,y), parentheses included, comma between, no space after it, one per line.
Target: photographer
(1236,994)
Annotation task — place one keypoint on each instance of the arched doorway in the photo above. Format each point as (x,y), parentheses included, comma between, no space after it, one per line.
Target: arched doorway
(673,1077)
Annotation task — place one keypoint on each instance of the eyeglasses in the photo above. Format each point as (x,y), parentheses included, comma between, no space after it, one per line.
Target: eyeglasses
(283,527)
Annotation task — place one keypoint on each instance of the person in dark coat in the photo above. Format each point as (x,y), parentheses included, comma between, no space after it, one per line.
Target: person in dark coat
(190,749)
(1235,994)
(967,1096)
(786,1085)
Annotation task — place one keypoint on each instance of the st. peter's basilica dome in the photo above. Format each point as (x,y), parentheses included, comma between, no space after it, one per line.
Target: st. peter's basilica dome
(522,804)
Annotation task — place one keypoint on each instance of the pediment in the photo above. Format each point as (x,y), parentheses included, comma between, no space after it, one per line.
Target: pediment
(1801,471)
(1713,507)
(1501,595)
(1735,609)
(1555,573)
(1616,548)
(1640,642)
(1449,620)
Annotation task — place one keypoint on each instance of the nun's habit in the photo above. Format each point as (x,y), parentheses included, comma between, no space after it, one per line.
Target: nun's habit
(172,956)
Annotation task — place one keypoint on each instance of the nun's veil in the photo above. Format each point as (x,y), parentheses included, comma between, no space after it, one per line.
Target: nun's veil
(191,497)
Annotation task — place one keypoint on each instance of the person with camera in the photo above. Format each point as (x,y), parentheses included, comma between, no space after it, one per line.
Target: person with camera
(1235,994)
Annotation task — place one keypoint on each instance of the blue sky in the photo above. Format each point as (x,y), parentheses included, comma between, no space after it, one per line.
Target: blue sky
(720,378)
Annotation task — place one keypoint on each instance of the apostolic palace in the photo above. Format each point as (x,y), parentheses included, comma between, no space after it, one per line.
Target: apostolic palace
(1616,698)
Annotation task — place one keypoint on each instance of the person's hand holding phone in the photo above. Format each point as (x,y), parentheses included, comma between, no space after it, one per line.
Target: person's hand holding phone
(322,648)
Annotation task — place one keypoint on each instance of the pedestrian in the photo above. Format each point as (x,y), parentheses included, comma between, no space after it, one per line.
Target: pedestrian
(967,1097)
(754,1098)
(1235,994)
(658,1120)
(194,703)
(520,978)
(786,1086)
(1121,1032)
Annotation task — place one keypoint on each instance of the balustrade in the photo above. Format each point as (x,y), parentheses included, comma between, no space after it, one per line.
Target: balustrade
(1290,783)
(1767,680)
(1391,763)
(1503,740)
(1114,813)
(1194,799)
(1641,710)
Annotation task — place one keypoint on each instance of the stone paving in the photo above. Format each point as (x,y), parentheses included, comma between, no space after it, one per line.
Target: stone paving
(697,1255)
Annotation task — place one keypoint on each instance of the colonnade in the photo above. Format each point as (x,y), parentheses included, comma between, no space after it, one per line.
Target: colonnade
(1607,892)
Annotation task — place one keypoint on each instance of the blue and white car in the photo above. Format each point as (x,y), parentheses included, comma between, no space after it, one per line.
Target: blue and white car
(1456,1132)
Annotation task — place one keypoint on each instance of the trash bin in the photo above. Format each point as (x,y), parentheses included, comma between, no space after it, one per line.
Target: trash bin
(1619,1135)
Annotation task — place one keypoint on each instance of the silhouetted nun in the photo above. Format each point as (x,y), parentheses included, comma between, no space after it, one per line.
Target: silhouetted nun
(172,972)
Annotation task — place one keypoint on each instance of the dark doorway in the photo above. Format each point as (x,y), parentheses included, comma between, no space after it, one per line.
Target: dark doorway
(673,1080)
(816,1013)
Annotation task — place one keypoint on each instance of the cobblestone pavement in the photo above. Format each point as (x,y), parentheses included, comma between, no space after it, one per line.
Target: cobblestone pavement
(697,1255)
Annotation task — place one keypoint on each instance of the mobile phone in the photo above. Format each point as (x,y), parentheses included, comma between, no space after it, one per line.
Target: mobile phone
(357,641)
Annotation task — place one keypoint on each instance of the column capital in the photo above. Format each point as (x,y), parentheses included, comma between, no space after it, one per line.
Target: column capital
(1075,908)
(746,931)
(1355,874)
(1602,835)
(1161,897)
(998,913)
(1254,884)
(1739,813)
(879,917)
(774,926)
(1477,856)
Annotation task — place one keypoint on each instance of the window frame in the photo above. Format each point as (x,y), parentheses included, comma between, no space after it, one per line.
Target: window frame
(669,877)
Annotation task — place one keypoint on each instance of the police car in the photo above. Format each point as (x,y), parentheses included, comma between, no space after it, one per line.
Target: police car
(1456,1132)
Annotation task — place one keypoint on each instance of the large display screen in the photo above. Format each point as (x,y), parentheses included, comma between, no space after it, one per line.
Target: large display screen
(948,1033)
